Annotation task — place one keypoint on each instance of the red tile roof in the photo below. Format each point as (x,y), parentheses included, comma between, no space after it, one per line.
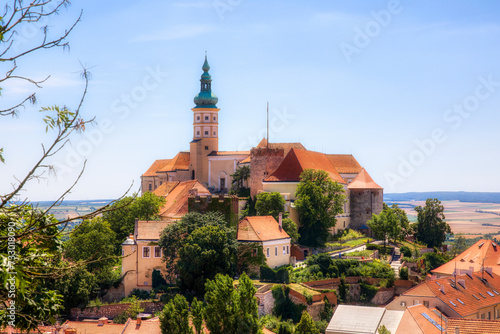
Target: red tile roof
(473,257)
(179,162)
(420,315)
(296,161)
(285,146)
(473,326)
(90,327)
(363,181)
(146,327)
(176,201)
(151,229)
(245,161)
(260,228)
(465,301)
(156,166)
(165,188)
(344,163)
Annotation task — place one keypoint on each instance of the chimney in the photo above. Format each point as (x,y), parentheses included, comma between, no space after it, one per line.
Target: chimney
(441,288)
(462,283)
(102,321)
(138,321)
(281,221)
(489,270)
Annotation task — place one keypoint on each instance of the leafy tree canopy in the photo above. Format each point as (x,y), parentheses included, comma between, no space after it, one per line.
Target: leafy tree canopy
(206,252)
(319,200)
(431,228)
(124,212)
(231,310)
(306,325)
(270,204)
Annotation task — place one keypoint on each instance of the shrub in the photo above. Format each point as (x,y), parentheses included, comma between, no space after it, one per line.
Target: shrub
(368,291)
(280,275)
(158,280)
(406,251)
(140,294)
(403,273)
(121,318)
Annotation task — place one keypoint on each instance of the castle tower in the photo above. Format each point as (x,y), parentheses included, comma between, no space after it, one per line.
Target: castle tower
(205,127)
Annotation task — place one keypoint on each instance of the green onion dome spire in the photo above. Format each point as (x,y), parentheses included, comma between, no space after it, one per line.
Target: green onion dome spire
(206,99)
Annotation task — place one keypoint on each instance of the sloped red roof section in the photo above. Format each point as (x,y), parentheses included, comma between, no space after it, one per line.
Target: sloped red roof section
(363,181)
(297,160)
(344,163)
(179,162)
(156,166)
(260,228)
(473,257)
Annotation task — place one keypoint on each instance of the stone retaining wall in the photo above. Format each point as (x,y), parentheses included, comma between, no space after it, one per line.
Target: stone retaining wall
(111,311)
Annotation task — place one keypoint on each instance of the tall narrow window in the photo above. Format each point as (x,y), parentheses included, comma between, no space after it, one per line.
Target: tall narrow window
(288,249)
(157,251)
(222,183)
(268,252)
(284,250)
(146,251)
(276,251)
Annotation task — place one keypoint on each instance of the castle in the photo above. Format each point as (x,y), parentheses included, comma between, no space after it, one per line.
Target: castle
(273,166)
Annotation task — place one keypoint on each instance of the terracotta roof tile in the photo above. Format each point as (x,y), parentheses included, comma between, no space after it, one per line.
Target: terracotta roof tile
(90,327)
(176,201)
(363,181)
(156,166)
(146,327)
(473,257)
(464,301)
(222,153)
(421,316)
(245,161)
(296,161)
(165,188)
(151,229)
(344,163)
(285,146)
(179,162)
(260,228)
(473,326)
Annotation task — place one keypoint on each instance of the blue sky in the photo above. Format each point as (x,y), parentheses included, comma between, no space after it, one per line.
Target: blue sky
(410,88)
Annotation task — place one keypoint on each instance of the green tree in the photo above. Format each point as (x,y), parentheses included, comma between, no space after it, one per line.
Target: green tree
(319,200)
(383,330)
(391,223)
(30,243)
(306,325)
(380,225)
(270,204)
(229,310)
(291,229)
(207,251)
(125,211)
(284,308)
(240,177)
(174,236)
(459,245)
(197,310)
(403,273)
(92,241)
(431,228)
(174,318)
(343,289)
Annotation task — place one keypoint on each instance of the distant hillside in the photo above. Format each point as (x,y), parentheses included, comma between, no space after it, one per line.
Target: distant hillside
(461,196)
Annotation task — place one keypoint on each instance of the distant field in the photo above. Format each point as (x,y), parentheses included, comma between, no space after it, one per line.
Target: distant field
(463,217)
(71,209)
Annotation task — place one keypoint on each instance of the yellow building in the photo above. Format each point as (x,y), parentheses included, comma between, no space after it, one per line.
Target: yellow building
(142,255)
(267,232)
